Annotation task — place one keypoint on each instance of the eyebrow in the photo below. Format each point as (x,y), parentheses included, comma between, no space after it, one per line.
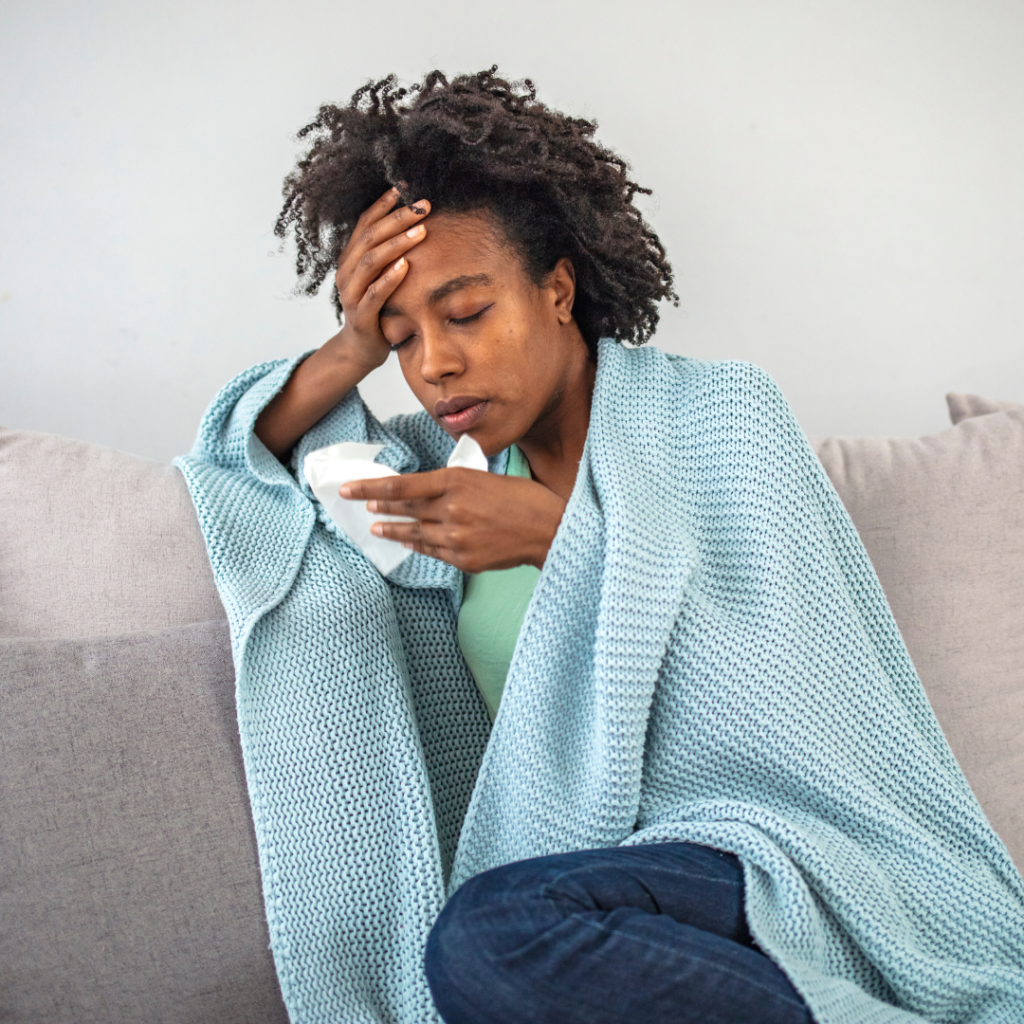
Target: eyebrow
(443,291)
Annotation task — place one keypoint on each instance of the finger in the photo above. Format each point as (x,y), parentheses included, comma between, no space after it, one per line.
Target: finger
(370,216)
(414,507)
(432,534)
(378,211)
(420,538)
(370,305)
(427,509)
(434,551)
(376,264)
(369,235)
(396,488)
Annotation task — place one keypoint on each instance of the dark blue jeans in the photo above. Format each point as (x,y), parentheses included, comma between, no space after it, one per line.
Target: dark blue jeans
(652,934)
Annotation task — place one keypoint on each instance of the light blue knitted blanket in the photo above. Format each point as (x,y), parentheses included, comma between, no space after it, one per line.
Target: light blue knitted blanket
(708,657)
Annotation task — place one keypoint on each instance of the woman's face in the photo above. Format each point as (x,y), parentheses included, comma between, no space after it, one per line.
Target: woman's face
(485,350)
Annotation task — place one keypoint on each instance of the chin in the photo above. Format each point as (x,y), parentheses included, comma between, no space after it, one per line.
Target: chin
(490,444)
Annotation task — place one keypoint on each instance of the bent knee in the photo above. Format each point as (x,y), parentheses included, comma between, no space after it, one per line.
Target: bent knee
(488,916)
(464,930)
(456,957)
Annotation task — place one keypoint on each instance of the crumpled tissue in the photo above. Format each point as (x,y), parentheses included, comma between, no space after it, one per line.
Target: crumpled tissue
(328,468)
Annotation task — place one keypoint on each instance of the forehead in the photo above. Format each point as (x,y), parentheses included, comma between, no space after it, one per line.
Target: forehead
(458,245)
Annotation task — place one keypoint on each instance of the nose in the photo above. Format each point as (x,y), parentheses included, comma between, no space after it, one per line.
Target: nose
(441,357)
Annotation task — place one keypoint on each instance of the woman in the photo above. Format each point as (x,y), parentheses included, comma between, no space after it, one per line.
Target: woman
(714,789)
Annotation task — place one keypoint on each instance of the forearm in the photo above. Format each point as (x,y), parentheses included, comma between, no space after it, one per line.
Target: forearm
(318,384)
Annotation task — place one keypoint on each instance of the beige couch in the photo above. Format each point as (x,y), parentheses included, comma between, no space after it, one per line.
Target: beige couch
(129,886)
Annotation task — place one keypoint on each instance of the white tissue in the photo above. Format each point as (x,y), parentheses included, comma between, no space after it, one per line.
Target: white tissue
(328,468)
(468,454)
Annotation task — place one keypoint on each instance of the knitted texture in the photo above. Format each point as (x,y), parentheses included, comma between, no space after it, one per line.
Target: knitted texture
(708,657)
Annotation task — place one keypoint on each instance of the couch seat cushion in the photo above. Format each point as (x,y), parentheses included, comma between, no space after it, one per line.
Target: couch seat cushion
(129,886)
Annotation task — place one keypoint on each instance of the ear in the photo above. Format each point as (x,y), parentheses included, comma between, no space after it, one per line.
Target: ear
(561,282)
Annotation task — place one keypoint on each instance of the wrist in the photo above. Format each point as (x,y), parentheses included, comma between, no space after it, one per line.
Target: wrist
(547,527)
(349,356)
(318,384)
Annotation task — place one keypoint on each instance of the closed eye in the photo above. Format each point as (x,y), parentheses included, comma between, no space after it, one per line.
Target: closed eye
(458,321)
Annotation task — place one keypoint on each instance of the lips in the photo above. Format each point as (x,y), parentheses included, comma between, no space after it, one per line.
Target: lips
(462,413)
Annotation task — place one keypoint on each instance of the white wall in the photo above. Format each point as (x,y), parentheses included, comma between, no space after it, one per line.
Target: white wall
(838,182)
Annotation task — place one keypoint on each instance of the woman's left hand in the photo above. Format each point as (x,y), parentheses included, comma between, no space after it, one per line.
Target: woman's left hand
(475,521)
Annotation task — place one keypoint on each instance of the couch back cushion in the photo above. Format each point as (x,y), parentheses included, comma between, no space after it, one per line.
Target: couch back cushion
(96,542)
(942,518)
(962,407)
(129,884)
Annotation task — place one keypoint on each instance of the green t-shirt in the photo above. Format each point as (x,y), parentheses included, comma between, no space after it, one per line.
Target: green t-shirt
(493,606)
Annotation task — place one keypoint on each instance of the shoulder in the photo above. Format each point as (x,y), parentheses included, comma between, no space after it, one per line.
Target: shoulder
(724,423)
(738,431)
(648,365)
(724,381)
(742,396)
(742,408)
(731,442)
(697,394)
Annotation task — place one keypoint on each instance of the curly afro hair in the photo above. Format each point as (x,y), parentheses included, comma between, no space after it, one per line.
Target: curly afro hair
(480,143)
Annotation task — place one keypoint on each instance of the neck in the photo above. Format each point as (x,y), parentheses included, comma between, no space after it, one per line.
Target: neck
(554,444)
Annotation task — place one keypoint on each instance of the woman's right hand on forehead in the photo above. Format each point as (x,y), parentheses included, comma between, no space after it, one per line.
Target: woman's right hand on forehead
(371,267)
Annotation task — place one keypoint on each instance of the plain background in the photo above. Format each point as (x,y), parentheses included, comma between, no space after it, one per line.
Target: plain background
(840,186)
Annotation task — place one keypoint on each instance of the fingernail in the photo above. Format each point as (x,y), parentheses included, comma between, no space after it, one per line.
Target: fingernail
(371,506)
(420,206)
(406,544)
(377,530)
(400,264)
(345,491)
(417,230)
